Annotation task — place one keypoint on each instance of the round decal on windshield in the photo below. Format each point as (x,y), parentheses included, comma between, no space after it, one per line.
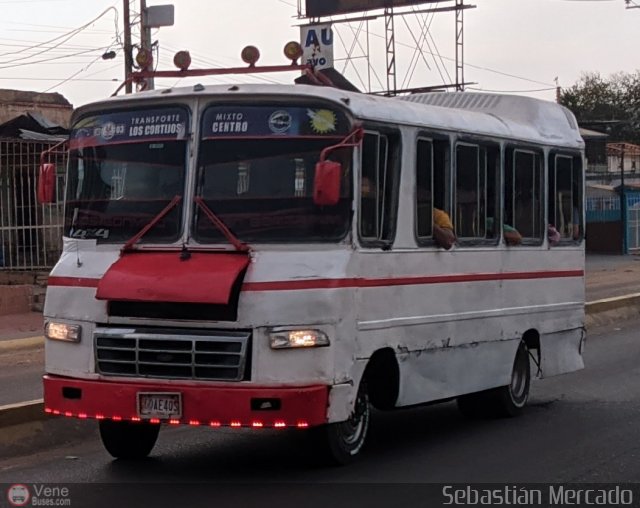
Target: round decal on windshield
(280,122)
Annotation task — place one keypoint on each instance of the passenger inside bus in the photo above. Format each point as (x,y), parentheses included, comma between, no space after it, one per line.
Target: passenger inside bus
(443,229)
(510,234)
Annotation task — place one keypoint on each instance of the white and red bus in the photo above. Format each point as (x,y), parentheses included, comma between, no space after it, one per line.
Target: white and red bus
(263,256)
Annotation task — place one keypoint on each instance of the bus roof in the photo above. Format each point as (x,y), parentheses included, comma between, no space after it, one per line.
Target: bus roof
(502,116)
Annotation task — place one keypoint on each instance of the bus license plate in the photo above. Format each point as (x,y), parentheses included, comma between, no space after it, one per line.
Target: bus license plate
(159,405)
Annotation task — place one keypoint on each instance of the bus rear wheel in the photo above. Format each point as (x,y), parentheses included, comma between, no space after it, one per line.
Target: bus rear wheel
(128,440)
(510,400)
(504,401)
(342,442)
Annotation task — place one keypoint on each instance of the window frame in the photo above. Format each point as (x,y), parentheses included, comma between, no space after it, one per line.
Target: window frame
(485,146)
(510,152)
(552,170)
(386,231)
(433,139)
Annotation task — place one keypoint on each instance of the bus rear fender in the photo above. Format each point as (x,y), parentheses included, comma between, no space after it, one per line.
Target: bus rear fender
(532,339)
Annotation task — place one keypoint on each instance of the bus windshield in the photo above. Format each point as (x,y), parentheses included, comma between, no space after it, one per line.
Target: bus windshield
(256,172)
(124,170)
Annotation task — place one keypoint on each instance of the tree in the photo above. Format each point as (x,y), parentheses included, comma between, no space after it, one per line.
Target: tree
(610,105)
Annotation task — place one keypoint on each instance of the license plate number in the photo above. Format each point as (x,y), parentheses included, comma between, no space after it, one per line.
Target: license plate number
(159,405)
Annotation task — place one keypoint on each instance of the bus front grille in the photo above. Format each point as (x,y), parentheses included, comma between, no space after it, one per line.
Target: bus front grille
(214,355)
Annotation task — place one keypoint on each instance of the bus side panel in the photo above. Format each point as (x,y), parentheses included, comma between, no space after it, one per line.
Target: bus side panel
(562,352)
(451,371)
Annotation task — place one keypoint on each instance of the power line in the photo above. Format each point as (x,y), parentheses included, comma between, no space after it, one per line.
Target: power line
(511,91)
(67,36)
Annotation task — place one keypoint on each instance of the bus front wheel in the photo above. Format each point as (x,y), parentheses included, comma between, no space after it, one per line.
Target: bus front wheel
(128,440)
(342,442)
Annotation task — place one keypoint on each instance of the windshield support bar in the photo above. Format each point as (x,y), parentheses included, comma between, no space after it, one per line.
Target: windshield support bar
(134,239)
(231,238)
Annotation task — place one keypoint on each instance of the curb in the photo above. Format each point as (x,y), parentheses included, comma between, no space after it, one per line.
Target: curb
(22,412)
(26,343)
(608,310)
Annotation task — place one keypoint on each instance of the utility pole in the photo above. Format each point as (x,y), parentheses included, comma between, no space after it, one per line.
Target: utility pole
(145,40)
(128,56)
(623,201)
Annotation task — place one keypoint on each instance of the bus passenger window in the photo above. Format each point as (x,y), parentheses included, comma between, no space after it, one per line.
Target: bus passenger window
(424,188)
(378,188)
(523,199)
(469,192)
(565,197)
(475,191)
(432,204)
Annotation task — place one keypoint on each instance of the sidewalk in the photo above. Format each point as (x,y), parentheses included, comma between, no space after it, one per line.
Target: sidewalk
(606,276)
(20,326)
(609,276)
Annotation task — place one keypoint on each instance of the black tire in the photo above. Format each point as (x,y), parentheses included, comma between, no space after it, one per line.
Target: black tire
(342,442)
(128,440)
(510,400)
(505,401)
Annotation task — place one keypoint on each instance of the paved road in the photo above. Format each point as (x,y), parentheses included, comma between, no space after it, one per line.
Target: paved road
(580,427)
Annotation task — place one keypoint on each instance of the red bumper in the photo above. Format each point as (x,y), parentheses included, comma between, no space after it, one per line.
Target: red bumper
(201,405)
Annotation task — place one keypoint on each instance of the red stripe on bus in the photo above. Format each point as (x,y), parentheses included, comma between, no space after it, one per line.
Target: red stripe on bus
(404,281)
(81,282)
(358,282)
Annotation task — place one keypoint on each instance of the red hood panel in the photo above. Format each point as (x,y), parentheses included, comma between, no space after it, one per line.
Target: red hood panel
(164,277)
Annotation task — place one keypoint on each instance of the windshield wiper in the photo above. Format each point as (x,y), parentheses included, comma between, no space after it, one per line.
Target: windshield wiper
(134,239)
(231,238)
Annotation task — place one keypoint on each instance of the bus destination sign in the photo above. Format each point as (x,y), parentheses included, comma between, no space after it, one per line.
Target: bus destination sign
(260,121)
(130,126)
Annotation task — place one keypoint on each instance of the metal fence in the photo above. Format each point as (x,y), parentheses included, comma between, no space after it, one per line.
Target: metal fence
(607,209)
(30,233)
(603,209)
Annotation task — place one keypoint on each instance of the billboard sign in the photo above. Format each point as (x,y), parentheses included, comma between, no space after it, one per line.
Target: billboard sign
(317,8)
(317,45)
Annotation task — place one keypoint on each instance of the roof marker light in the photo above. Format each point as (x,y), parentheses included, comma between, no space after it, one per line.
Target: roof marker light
(182,60)
(293,51)
(250,55)
(144,59)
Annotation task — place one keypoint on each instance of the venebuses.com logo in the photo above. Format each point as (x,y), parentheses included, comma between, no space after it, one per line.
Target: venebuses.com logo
(18,495)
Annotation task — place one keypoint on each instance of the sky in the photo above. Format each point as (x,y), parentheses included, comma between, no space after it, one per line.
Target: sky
(512,46)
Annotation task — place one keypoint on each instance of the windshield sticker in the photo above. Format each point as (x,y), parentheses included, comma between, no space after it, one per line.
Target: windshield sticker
(280,122)
(130,126)
(262,121)
(323,121)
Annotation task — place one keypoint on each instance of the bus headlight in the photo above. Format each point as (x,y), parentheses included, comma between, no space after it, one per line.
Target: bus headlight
(287,339)
(63,331)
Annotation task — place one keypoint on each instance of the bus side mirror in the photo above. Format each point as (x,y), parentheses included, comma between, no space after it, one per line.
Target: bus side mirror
(326,183)
(47,183)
